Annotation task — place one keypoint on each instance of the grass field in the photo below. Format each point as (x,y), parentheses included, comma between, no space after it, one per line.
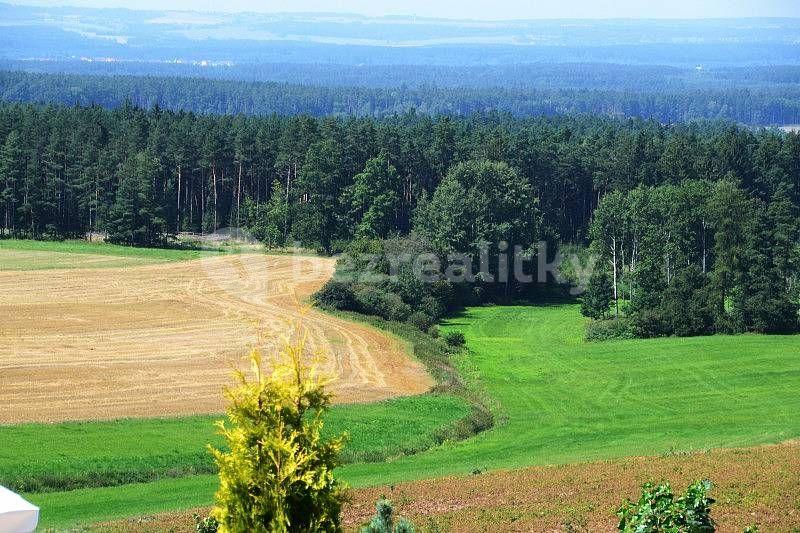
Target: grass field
(559,400)
(42,255)
(43,457)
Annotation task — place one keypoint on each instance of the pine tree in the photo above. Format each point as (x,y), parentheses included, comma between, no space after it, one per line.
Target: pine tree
(12,174)
(135,218)
(319,185)
(730,208)
(374,198)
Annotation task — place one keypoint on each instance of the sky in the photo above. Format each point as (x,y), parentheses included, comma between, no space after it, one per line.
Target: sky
(473,9)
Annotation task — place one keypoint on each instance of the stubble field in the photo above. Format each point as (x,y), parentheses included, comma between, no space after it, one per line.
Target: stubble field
(157,339)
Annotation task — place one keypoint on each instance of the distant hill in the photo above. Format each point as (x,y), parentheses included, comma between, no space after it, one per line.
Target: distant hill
(59,33)
(668,96)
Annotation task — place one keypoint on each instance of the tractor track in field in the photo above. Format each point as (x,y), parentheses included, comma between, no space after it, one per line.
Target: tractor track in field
(162,339)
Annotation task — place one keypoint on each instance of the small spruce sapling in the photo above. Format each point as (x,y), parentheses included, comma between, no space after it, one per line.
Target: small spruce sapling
(383,521)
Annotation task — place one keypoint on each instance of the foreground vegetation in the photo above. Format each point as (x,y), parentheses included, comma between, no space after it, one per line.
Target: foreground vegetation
(558,400)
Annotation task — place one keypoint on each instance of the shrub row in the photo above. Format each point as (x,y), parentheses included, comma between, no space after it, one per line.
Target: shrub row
(604,330)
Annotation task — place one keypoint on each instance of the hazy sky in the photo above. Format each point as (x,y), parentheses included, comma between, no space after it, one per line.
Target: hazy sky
(480,9)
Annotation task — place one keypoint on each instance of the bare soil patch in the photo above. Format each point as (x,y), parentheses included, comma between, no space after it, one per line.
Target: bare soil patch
(753,486)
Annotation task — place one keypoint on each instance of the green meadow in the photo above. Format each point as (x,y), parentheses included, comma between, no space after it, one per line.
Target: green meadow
(20,254)
(557,399)
(48,457)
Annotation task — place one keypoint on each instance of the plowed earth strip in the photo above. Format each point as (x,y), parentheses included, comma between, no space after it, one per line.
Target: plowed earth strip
(160,340)
(753,486)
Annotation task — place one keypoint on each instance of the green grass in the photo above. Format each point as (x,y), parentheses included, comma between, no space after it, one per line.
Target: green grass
(44,457)
(559,400)
(36,255)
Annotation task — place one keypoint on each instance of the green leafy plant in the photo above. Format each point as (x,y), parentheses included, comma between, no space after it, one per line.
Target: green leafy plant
(659,511)
(208,524)
(598,296)
(278,475)
(383,521)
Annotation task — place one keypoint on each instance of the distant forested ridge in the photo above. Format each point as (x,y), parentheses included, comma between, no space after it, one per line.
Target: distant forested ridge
(750,103)
(68,32)
(143,174)
(573,75)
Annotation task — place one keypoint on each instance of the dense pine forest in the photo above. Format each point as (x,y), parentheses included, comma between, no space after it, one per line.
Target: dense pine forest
(66,170)
(705,213)
(746,95)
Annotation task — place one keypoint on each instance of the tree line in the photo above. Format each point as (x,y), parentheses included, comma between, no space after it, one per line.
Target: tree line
(539,75)
(695,215)
(69,170)
(662,98)
(695,258)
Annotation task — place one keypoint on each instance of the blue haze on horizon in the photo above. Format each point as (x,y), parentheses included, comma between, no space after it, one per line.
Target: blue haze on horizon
(468,9)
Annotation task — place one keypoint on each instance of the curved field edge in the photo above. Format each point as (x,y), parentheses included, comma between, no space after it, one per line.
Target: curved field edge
(108,453)
(149,449)
(190,322)
(454,410)
(153,448)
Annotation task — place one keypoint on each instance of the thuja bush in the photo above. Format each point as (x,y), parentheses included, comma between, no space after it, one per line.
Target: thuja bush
(658,510)
(278,473)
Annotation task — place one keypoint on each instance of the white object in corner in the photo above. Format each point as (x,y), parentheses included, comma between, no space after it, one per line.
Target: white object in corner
(17,515)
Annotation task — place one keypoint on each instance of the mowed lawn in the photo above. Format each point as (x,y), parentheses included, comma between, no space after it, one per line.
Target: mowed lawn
(37,255)
(558,400)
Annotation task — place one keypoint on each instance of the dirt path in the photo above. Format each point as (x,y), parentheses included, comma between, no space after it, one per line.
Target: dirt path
(161,339)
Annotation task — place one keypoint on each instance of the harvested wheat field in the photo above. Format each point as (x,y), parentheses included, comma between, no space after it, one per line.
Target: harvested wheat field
(162,339)
(752,486)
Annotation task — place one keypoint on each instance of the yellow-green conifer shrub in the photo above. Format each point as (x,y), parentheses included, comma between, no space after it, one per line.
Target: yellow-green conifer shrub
(278,474)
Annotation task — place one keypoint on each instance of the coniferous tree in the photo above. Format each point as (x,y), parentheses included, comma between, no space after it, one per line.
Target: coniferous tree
(319,185)
(277,472)
(596,301)
(12,174)
(373,198)
(135,218)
